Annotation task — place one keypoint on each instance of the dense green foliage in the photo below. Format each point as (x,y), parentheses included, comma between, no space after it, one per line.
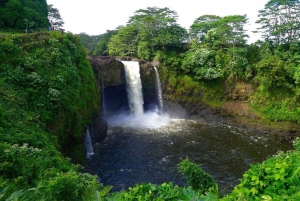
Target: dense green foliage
(201,186)
(147,32)
(101,47)
(277,178)
(48,94)
(196,176)
(22,14)
(280,21)
(276,80)
(165,191)
(218,53)
(97,44)
(89,42)
(207,68)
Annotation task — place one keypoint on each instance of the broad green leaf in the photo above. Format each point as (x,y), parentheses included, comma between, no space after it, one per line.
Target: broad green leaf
(266,197)
(277,176)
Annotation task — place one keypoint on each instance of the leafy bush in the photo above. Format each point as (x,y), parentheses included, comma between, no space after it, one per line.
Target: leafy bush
(272,72)
(45,74)
(196,176)
(47,94)
(171,60)
(163,192)
(201,62)
(70,186)
(202,188)
(276,178)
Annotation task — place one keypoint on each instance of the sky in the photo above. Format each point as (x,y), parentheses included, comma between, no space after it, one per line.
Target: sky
(94,17)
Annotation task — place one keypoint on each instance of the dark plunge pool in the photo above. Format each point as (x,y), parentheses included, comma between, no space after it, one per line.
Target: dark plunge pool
(129,156)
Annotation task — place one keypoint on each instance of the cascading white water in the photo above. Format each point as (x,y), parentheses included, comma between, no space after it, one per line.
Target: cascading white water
(137,118)
(134,87)
(88,144)
(159,91)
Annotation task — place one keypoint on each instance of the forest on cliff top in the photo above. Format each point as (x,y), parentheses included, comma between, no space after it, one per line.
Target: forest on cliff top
(215,50)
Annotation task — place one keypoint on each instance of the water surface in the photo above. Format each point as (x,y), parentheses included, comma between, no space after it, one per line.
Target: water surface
(129,156)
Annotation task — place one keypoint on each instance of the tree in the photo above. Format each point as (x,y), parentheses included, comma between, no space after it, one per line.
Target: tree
(171,37)
(280,21)
(217,32)
(20,14)
(153,19)
(102,45)
(232,29)
(227,32)
(124,43)
(147,32)
(89,42)
(221,49)
(55,18)
(11,13)
(201,63)
(157,29)
(202,25)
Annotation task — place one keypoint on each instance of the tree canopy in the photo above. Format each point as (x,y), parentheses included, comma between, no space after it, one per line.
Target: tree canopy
(280,21)
(124,43)
(202,25)
(220,31)
(20,14)
(103,40)
(148,31)
(54,17)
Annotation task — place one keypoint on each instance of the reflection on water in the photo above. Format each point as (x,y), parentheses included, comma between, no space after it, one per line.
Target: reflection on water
(131,155)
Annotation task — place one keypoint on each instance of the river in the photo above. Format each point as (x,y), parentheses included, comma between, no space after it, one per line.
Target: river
(132,155)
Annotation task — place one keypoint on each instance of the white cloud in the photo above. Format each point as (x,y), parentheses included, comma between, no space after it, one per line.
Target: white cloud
(96,16)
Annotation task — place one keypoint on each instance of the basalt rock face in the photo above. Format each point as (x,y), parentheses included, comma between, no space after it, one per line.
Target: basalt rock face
(110,77)
(112,71)
(98,129)
(148,84)
(107,71)
(108,68)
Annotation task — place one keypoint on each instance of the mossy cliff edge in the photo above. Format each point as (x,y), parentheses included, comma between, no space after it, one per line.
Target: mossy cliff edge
(227,101)
(48,95)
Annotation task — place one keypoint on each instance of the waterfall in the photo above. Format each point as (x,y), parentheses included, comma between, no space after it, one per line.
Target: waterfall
(88,144)
(103,95)
(138,118)
(159,91)
(134,87)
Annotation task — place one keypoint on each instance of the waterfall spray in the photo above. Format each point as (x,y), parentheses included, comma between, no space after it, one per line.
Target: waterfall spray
(159,91)
(138,118)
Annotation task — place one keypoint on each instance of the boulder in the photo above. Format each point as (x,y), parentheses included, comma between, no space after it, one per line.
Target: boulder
(98,129)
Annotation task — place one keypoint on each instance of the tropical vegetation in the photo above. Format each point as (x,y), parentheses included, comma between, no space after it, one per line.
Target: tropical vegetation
(48,95)
(20,14)
(215,51)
